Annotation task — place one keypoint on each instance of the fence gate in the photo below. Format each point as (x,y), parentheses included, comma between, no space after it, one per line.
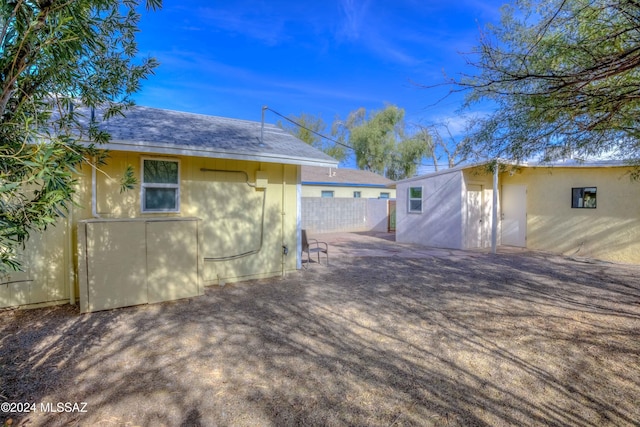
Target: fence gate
(392,216)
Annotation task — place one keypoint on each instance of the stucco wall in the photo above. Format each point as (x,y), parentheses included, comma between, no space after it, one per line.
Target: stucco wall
(236,218)
(609,232)
(346,192)
(441,222)
(243,229)
(46,277)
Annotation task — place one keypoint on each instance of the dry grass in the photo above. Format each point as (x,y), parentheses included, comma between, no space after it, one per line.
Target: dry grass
(514,339)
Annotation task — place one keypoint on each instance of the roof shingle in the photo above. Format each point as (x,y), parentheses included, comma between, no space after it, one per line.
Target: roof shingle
(336,176)
(154,130)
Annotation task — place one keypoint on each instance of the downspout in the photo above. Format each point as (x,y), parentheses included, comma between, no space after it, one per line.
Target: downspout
(71,277)
(299,218)
(282,222)
(494,210)
(94,191)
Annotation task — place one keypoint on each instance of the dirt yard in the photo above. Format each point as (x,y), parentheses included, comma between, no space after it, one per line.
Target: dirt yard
(388,335)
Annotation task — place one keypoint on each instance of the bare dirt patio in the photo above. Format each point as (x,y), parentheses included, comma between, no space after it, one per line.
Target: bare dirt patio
(388,335)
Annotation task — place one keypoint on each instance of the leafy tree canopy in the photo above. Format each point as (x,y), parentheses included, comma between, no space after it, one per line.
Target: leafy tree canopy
(381,142)
(565,78)
(53,54)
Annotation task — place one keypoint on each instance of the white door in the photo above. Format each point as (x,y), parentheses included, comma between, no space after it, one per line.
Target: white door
(474,217)
(514,215)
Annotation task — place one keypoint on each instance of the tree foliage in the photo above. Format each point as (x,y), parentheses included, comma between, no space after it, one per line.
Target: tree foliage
(381,142)
(309,128)
(565,78)
(54,54)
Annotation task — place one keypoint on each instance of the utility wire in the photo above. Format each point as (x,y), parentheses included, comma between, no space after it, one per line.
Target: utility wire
(310,130)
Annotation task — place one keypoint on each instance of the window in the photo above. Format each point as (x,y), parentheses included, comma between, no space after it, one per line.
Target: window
(415,199)
(384,195)
(160,188)
(583,197)
(327,193)
(357,194)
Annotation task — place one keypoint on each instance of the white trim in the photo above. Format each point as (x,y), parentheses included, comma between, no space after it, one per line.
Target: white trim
(299,218)
(410,199)
(208,152)
(158,185)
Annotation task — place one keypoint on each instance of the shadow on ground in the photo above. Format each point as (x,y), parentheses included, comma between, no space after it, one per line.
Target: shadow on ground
(514,339)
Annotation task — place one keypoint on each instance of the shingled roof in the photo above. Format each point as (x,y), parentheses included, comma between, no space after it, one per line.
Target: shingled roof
(313,175)
(158,131)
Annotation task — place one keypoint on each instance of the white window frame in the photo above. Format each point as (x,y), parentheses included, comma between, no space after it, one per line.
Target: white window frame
(411,199)
(145,185)
(323,192)
(384,195)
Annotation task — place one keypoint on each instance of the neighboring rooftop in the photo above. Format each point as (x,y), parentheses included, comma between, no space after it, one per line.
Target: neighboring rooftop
(314,175)
(158,131)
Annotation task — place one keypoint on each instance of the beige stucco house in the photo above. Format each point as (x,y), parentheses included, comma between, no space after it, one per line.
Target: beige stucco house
(318,181)
(218,201)
(589,210)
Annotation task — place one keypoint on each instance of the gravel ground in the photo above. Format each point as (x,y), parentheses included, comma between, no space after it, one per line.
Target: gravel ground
(386,339)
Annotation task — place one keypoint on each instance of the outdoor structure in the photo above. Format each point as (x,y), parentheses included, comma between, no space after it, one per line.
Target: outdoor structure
(345,183)
(587,210)
(218,200)
(335,200)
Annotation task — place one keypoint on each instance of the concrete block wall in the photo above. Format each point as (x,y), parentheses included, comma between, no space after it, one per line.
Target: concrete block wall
(327,215)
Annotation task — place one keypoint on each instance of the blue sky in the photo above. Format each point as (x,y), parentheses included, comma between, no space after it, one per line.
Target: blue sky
(323,58)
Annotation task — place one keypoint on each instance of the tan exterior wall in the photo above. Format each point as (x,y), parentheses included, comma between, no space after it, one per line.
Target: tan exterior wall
(236,218)
(242,229)
(609,232)
(46,277)
(346,192)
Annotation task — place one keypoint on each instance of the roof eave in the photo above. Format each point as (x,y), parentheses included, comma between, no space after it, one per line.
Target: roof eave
(343,184)
(172,150)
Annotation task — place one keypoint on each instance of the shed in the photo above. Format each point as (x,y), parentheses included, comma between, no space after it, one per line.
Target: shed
(583,209)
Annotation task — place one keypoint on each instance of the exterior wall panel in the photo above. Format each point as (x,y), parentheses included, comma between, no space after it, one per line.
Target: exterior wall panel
(609,232)
(441,222)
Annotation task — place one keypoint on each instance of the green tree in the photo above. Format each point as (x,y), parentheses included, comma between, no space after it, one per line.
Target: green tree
(309,128)
(564,77)
(381,142)
(54,54)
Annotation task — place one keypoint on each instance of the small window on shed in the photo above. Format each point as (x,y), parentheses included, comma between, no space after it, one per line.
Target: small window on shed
(415,199)
(326,193)
(583,197)
(384,195)
(357,194)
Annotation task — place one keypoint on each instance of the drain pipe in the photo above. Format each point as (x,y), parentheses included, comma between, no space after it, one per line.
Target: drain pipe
(494,210)
(71,276)
(94,190)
